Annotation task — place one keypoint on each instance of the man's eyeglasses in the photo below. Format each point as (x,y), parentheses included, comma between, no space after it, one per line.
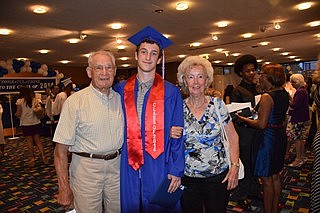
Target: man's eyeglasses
(99,68)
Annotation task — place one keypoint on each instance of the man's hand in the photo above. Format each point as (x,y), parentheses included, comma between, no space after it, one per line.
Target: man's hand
(175,183)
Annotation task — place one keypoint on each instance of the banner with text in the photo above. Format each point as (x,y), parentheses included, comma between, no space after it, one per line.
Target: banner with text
(37,84)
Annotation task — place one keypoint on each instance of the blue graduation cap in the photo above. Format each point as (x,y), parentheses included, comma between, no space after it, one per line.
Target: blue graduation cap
(152,34)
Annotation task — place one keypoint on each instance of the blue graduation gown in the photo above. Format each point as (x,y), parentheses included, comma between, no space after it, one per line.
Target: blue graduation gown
(146,180)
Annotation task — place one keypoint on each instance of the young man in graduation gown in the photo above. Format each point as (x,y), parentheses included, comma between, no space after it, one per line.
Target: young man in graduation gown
(151,106)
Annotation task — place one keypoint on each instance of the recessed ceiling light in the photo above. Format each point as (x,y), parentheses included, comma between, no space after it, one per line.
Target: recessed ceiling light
(230,64)
(219,50)
(222,23)
(314,23)
(39,9)
(73,40)
(22,59)
(44,51)
(182,56)
(304,5)
(182,6)
(247,35)
(195,44)
(206,56)
(267,62)
(259,60)
(65,61)
(121,47)
(125,65)
(124,58)
(264,43)
(217,61)
(276,49)
(235,54)
(285,53)
(116,26)
(166,35)
(4,31)
(87,55)
(214,37)
(292,57)
(318,35)
(297,59)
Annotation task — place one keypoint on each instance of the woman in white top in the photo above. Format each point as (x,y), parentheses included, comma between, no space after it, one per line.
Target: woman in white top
(30,123)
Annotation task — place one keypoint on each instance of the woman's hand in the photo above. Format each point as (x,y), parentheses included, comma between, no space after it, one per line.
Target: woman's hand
(176,132)
(232,177)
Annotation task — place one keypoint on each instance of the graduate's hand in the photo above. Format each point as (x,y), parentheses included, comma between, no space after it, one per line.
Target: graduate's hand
(175,183)
(176,132)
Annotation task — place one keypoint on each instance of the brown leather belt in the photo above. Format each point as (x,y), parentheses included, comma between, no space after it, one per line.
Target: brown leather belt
(97,156)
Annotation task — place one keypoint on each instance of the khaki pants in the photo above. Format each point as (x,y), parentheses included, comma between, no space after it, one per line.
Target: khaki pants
(93,182)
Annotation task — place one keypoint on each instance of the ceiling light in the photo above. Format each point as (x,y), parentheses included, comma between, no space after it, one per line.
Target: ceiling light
(222,23)
(304,6)
(125,65)
(277,26)
(118,40)
(247,35)
(206,56)
(267,62)
(182,56)
(235,54)
(121,47)
(264,43)
(297,59)
(182,6)
(285,53)
(116,26)
(314,24)
(292,57)
(124,58)
(39,9)
(82,36)
(276,49)
(259,60)
(318,35)
(65,61)
(22,59)
(217,61)
(5,31)
(219,50)
(229,64)
(226,53)
(73,40)
(87,55)
(214,37)
(166,35)
(44,51)
(195,44)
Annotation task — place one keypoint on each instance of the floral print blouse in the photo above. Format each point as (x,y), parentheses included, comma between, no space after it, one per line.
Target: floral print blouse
(204,151)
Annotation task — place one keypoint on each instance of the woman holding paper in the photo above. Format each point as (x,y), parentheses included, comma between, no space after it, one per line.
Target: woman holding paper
(208,176)
(271,147)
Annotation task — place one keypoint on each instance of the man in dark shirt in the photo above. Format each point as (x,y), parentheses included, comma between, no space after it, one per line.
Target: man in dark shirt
(246,91)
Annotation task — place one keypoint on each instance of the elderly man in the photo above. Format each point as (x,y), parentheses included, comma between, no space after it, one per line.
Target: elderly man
(91,127)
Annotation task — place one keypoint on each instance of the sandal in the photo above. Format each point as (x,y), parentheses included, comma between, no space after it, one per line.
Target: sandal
(296,163)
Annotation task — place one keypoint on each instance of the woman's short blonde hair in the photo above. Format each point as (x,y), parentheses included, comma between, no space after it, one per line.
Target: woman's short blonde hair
(186,65)
(298,79)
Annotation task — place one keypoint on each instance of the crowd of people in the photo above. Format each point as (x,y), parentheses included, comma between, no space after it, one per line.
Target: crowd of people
(126,138)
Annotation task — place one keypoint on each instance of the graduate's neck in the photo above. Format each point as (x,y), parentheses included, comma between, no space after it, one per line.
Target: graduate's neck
(146,76)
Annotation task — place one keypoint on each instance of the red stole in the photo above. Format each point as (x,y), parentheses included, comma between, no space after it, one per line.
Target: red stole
(154,122)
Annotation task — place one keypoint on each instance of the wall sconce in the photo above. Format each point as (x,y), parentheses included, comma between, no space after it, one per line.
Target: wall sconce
(277,26)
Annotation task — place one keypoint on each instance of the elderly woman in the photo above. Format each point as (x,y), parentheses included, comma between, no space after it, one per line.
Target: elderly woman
(271,146)
(208,176)
(297,128)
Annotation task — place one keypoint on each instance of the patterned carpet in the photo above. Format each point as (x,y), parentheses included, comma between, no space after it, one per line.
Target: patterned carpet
(26,189)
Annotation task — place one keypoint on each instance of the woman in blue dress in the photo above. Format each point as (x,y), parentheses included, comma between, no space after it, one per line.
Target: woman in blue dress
(271,146)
